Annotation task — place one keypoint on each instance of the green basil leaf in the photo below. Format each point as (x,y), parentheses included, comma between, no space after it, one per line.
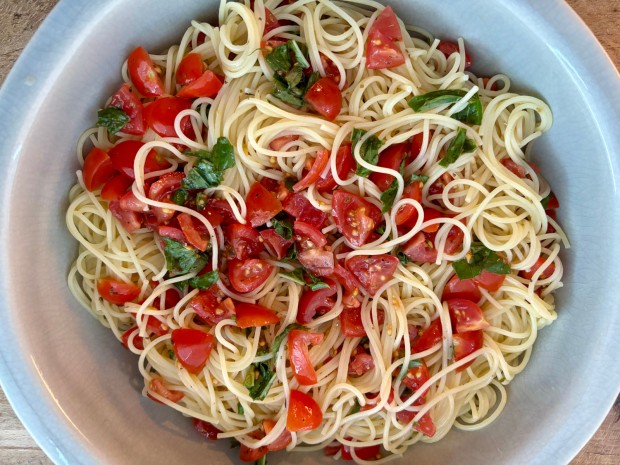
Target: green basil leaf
(202,176)
(317,286)
(179,197)
(402,257)
(205,281)
(291,255)
(380,230)
(355,409)
(113,119)
(181,259)
(315,76)
(201,201)
(289,183)
(455,149)
(418,177)
(388,197)
(283,227)
(277,342)
(261,385)
(478,259)
(369,150)
(222,155)
(294,76)
(437,98)
(279,59)
(469,145)
(240,409)
(283,92)
(296,275)
(472,113)
(300,56)
(405,369)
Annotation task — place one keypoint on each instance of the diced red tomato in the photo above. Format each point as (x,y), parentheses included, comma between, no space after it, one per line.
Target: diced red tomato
(304,414)
(267,46)
(261,204)
(466,316)
(466,344)
(116,187)
(271,22)
(161,113)
(420,249)
(206,430)
(360,364)
(430,337)
(300,207)
(454,241)
(325,97)
(219,212)
(345,163)
(252,315)
(355,217)
(331,70)
(130,221)
(275,244)
(279,142)
(247,275)
(319,262)
(514,168)
(416,377)
(117,292)
(281,441)
(143,74)
(448,48)
(245,240)
(195,233)
(390,158)
(461,289)
(548,271)
(208,307)
(156,385)
(129,102)
(351,322)
(490,281)
(190,69)
(440,184)
(346,278)
(124,154)
(308,233)
(431,214)
(299,357)
(166,184)
(373,271)
(130,203)
(172,233)
(97,169)
(192,348)
(382,52)
(316,302)
(426,426)
(208,85)
(138,342)
(319,164)
(407,214)
(363,453)
(553,202)
(387,23)
(248,454)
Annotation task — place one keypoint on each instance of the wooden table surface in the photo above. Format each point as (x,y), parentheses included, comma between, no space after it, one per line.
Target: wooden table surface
(18,21)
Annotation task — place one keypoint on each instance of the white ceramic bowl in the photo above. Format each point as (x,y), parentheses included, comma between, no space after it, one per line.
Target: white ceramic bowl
(77,390)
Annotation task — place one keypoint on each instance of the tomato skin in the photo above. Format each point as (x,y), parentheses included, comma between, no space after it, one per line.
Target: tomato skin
(117,292)
(271,22)
(207,85)
(166,184)
(319,262)
(461,289)
(363,453)
(319,164)
(345,163)
(206,430)
(192,348)
(247,454)
(129,102)
(300,207)
(138,341)
(390,158)
(210,309)
(157,385)
(275,244)
(454,242)
(514,168)
(382,52)
(161,113)
(172,233)
(245,240)
(143,74)
(351,323)
(313,302)
(194,232)
(130,221)
(281,441)
(465,344)
(124,154)
(420,249)
(304,414)
(253,315)
(308,233)
(247,275)
(219,212)
(97,169)
(415,378)
(490,281)
(279,142)
(190,68)
(360,364)
(407,214)
(430,337)
(130,203)
(299,357)
(355,217)
(466,316)
(387,23)
(325,98)
(116,187)
(425,425)
(373,271)
(261,204)
(529,273)
(448,48)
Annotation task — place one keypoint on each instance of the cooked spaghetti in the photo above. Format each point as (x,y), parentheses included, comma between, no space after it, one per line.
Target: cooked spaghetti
(318,229)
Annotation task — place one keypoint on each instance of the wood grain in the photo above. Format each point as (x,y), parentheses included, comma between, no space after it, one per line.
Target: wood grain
(18,21)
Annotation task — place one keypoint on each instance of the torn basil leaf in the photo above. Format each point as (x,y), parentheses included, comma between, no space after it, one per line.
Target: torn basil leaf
(277,342)
(259,380)
(457,147)
(300,55)
(205,281)
(471,114)
(209,170)
(181,259)
(279,59)
(480,258)
(283,227)
(418,178)
(113,119)
(369,151)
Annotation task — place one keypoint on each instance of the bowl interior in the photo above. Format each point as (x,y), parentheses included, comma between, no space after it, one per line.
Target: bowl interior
(83,402)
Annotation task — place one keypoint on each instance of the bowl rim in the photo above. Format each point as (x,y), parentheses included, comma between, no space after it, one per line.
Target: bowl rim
(56,437)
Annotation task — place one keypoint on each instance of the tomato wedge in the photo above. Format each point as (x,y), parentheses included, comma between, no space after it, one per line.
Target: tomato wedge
(299,357)
(281,441)
(275,244)
(195,233)
(124,154)
(345,163)
(261,204)
(192,348)
(245,240)
(271,22)
(208,307)
(466,344)
(407,214)
(415,378)
(355,217)
(161,113)
(351,322)
(319,262)
(207,85)
(548,271)
(206,430)
(461,289)
(252,315)
(143,74)
(325,97)
(316,302)
(130,221)
(426,426)
(304,414)
(309,236)
(487,280)
(390,158)
(373,271)
(129,102)
(448,48)
(247,275)
(247,454)
(320,162)
(97,169)
(117,292)
(116,187)
(361,363)
(430,337)
(362,453)
(190,68)
(301,208)
(420,249)
(382,52)
(514,168)
(387,23)
(158,387)
(466,316)
(130,203)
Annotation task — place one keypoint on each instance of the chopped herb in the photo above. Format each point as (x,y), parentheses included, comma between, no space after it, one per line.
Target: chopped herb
(181,259)
(262,460)
(283,227)
(297,275)
(419,177)
(277,342)
(380,230)
(316,283)
(223,154)
(179,197)
(471,114)
(171,354)
(113,119)
(389,195)
(369,150)
(405,369)
(315,76)
(300,56)
(402,257)
(302,276)
(205,281)
(240,410)
(480,258)
(355,409)
(290,83)
(258,386)
(457,147)
(291,254)
(209,170)
(201,201)
(279,59)
(294,76)
(284,93)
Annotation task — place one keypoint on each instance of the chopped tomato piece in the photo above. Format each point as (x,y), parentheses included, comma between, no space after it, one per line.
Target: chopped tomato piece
(208,307)
(124,154)
(320,162)
(355,217)
(416,377)
(116,187)
(362,453)
(245,240)
(299,357)
(514,168)
(466,344)
(138,341)
(430,337)
(461,289)
(313,302)
(143,74)
(117,292)
(407,214)
(345,163)
(97,169)
(440,184)
(304,414)
(129,102)
(489,281)
(219,212)
(360,364)
(208,85)
(382,52)
(190,69)
(275,244)
(252,315)
(466,316)
(331,70)
(390,158)
(281,441)
(156,385)
(271,22)
(161,114)
(420,249)
(206,430)
(247,275)
(454,241)
(448,48)
(130,221)
(261,204)
(195,232)
(192,348)
(425,425)
(319,262)
(130,203)
(248,454)
(325,97)
(301,208)
(309,236)
(547,272)
(279,142)
(165,185)
(351,322)
(553,202)
(373,271)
